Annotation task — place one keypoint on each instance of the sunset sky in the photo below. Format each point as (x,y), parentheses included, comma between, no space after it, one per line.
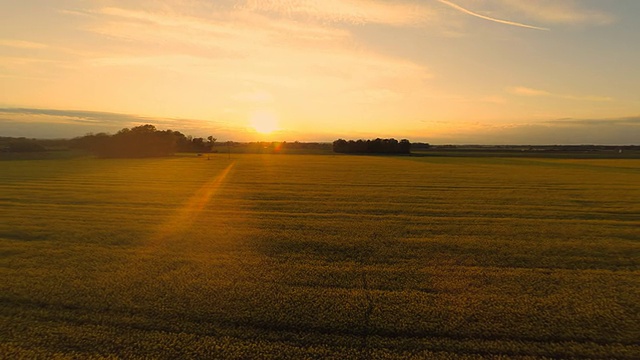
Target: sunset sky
(458,71)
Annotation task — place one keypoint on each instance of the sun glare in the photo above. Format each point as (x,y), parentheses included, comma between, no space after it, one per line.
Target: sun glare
(264,122)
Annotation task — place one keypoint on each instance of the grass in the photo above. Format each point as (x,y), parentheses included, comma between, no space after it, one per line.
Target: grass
(294,256)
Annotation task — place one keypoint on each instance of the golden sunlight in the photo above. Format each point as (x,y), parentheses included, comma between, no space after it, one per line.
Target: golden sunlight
(264,122)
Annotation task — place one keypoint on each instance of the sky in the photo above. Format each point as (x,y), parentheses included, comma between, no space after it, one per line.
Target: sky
(438,71)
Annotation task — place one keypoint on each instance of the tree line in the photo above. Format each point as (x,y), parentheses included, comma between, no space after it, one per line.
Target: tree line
(142,141)
(20,144)
(377,146)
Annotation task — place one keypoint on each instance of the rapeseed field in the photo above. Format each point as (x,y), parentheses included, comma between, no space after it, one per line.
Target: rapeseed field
(320,256)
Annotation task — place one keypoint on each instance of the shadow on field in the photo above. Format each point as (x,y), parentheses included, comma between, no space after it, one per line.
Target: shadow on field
(368,248)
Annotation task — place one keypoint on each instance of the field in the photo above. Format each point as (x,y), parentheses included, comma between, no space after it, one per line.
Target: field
(316,256)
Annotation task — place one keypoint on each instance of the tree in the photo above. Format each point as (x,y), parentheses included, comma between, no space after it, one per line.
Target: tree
(376,146)
(140,141)
(404,147)
(340,146)
(25,145)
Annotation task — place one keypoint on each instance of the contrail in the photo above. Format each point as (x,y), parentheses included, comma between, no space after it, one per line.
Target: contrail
(460,8)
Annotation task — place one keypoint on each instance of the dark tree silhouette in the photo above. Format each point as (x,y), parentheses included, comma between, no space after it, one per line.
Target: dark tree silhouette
(377,146)
(141,141)
(24,145)
(404,147)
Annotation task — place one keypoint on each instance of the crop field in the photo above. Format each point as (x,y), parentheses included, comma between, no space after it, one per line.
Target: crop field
(320,256)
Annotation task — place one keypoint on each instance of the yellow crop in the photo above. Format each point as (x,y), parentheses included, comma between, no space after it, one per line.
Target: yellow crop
(320,256)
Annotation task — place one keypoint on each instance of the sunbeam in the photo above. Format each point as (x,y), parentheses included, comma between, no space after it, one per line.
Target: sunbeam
(185,216)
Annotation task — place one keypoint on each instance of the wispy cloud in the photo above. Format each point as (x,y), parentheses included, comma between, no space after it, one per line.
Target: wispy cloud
(403,12)
(107,120)
(605,131)
(78,115)
(630,120)
(559,12)
(22,44)
(348,11)
(501,21)
(21,60)
(250,49)
(526,91)
(229,30)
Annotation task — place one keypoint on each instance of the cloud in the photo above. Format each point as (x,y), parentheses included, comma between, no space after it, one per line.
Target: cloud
(395,13)
(78,115)
(631,120)
(21,60)
(250,49)
(604,134)
(559,12)
(525,91)
(506,22)
(78,122)
(221,34)
(605,131)
(412,13)
(22,44)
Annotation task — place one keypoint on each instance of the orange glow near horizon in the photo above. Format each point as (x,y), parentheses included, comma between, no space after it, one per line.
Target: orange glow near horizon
(295,70)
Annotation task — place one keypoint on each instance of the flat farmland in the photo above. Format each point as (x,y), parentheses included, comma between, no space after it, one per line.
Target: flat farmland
(320,256)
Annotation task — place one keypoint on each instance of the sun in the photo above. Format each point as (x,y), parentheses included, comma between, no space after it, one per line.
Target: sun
(264,122)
